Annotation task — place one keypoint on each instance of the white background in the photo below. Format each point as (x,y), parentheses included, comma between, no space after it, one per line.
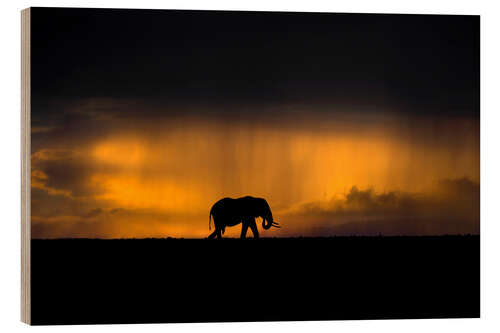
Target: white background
(490,92)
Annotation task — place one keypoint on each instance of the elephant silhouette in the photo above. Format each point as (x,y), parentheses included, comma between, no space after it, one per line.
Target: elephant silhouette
(229,212)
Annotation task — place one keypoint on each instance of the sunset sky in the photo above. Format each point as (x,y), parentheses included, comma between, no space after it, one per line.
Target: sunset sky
(346,124)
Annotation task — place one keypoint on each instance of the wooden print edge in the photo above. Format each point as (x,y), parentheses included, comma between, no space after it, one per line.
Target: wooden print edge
(25,166)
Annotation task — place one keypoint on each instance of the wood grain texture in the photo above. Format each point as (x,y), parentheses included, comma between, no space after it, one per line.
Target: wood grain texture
(25,166)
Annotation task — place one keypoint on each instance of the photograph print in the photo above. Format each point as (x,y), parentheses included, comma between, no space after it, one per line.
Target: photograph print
(221,166)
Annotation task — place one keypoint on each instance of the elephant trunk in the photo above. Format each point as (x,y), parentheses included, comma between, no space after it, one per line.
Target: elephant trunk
(269,220)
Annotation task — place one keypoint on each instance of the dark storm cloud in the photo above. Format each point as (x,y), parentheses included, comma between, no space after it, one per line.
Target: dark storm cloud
(450,207)
(60,216)
(65,123)
(93,213)
(421,64)
(64,171)
(116,210)
(46,205)
(99,223)
(91,120)
(95,72)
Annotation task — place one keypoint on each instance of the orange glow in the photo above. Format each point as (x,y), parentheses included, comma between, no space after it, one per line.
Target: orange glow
(128,190)
(127,153)
(164,181)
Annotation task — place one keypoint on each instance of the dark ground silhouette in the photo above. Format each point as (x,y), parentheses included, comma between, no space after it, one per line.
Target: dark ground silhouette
(82,281)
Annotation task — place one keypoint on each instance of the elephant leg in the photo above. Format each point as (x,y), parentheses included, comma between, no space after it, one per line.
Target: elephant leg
(253,226)
(244,227)
(213,234)
(216,233)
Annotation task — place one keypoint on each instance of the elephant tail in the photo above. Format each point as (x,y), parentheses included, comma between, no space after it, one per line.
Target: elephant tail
(209,220)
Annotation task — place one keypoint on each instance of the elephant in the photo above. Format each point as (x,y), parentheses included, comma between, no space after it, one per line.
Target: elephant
(229,212)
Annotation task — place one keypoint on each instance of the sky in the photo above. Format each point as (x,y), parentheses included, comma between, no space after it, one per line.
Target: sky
(346,124)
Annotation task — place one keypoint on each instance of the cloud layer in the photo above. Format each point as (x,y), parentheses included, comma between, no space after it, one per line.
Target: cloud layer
(450,206)
(106,168)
